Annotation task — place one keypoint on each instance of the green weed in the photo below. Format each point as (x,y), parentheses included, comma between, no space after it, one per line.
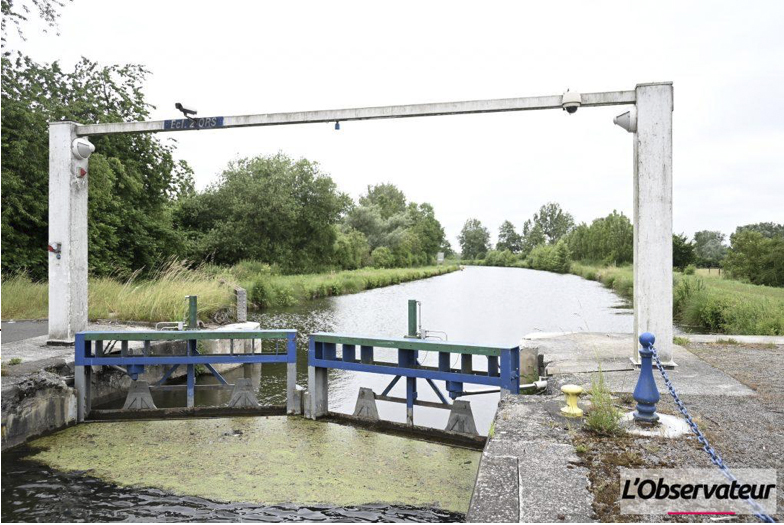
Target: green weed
(602,418)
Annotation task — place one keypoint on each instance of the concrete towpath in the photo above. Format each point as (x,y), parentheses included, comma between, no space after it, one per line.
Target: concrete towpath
(530,471)
(579,355)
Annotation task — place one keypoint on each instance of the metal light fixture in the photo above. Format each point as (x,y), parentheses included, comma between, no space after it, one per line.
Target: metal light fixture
(337,125)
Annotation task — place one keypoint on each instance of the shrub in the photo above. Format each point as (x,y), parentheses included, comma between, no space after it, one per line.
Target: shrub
(383,258)
(690,270)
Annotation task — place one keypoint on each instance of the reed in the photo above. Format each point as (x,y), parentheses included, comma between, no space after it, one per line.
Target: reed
(161,296)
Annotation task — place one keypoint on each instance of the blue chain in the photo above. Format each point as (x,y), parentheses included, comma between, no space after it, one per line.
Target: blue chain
(759,510)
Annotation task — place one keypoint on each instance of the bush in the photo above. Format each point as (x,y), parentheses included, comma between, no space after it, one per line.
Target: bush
(383,258)
(690,270)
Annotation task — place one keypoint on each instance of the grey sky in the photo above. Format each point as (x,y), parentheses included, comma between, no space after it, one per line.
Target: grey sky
(726,60)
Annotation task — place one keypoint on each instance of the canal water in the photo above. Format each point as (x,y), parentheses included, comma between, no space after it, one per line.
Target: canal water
(480,305)
(494,306)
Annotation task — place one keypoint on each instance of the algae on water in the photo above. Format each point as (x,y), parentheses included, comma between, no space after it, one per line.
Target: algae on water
(269,461)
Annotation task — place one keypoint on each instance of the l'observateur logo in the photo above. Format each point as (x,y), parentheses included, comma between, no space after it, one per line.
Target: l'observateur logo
(696,491)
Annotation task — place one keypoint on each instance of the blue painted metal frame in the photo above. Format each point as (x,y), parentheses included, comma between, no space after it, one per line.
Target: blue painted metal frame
(322,353)
(85,357)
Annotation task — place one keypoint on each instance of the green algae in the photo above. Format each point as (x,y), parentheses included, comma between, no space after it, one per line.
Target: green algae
(269,461)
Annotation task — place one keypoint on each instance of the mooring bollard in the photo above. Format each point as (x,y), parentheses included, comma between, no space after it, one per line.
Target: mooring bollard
(572,393)
(646,393)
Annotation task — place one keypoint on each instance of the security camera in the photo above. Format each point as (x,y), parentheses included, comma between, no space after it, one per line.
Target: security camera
(185,110)
(82,148)
(570,101)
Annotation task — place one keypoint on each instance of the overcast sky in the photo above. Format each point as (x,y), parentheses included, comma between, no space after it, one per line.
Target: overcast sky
(726,60)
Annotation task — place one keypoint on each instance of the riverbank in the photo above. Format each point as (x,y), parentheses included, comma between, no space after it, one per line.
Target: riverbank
(706,301)
(161,298)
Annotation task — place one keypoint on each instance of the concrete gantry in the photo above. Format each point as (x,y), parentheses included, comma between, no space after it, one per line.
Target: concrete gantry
(67,235)
(650,120)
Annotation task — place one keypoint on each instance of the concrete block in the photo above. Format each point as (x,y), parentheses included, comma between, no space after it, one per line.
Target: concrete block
(308,413)
(139,397)
(366,405)
(529,364)
(299,400)
(496,492)
(243,395)
(461,418)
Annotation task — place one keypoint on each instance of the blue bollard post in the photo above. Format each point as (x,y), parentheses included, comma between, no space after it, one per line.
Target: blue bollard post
(645,393)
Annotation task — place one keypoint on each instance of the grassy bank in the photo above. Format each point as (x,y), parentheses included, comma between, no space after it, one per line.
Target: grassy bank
(706,301)
(162,298)
(287,290)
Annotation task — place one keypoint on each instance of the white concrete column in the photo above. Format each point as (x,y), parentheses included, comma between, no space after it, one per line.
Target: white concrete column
(68,227)
(653,217)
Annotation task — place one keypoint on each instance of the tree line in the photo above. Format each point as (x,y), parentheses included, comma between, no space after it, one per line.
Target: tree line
(551,239)
(144,210)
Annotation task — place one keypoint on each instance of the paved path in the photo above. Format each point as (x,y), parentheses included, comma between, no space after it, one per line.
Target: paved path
(575,357)
(20,330)
(529,470)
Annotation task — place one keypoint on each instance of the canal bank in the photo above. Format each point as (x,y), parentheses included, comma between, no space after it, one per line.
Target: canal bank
(540,466)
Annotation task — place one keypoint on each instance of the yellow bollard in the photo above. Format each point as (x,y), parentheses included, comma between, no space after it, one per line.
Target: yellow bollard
(572,396)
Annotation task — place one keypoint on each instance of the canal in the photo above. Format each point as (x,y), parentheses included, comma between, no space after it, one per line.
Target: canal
(479,305)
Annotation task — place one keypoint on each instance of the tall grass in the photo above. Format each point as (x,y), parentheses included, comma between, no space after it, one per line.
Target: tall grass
(161,296)
(709,303)
(268,290)
(602,418)
(24,299)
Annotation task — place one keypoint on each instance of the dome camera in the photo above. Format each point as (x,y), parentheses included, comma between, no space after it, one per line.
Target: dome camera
(570,101)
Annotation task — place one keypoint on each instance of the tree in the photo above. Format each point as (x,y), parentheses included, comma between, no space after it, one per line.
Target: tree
(271,209)
(426,228)
(755,258)
(474,240)
(351,249)
(133,179)
(18,12)
(410,231)
(446,247)
(767,229)
(682,251)
(533,236)
(709,248)
(555,222)
(608,240)
(508,238)
(389,199)
(563,259)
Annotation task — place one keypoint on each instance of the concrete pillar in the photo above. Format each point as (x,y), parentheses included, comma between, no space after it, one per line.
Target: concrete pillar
(653,217)
(318,392)
(241,296)
(293,402)
(68,232)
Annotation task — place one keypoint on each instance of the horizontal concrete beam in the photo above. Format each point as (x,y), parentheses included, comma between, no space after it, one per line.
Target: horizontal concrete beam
(610,98)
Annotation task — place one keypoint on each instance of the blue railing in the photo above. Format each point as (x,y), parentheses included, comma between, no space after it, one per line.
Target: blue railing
(502,371)
(90,351)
